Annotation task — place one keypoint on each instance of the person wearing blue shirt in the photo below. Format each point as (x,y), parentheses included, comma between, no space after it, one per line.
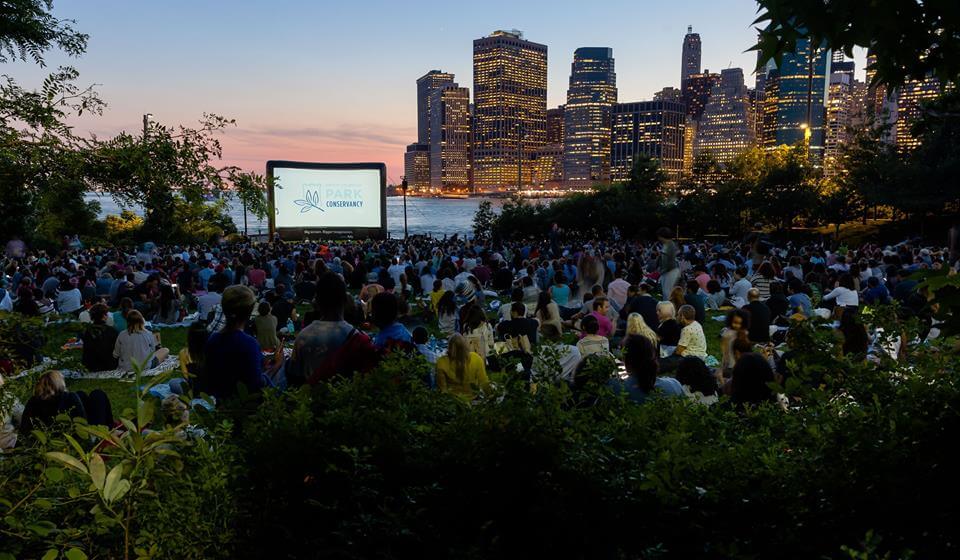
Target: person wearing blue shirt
(642,382)
(876,292)
(385,308)
(232,357)
(797,298)
(205,275)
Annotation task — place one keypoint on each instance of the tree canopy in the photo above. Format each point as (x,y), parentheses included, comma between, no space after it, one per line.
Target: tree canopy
(28,29)
(911,38)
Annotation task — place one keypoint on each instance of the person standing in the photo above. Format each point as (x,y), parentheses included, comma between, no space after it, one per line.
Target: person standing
(669,269)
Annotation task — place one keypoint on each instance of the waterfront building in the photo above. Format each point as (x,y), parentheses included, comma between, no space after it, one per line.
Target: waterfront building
(653,128)
(510,108)
(727,127)
(416,167)
(795,99)
(587,117)
(450,138)
(555,125)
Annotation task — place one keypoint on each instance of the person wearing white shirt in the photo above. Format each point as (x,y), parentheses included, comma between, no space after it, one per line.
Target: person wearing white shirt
(844,293)
(617,290)
(739,289)
(395,270)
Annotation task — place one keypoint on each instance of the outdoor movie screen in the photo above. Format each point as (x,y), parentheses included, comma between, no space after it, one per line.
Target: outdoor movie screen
(346,199)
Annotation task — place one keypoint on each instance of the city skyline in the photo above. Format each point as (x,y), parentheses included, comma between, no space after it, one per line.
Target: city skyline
(292,100)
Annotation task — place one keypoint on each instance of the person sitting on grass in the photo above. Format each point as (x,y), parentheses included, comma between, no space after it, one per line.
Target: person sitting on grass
(636,325)
(99,340)
(692,340)
(750,383)
(642,381)
(329,346)
(592,342)
(191,357)
(232,356)
(137,346)
(51,398)
(265,325)
(385,309)
(461,372)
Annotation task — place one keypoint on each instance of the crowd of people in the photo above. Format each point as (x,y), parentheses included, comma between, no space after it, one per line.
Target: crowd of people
(466,306)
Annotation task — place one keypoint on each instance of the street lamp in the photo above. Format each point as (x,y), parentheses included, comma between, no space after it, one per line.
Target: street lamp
(403,186)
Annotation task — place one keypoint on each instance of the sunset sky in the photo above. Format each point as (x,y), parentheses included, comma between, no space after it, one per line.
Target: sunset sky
(335,81)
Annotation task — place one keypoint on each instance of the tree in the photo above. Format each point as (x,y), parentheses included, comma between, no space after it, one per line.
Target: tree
(646,176)
(840,202)
(781,184)
(170,172)
(911,38)
(28,29)
(483,221)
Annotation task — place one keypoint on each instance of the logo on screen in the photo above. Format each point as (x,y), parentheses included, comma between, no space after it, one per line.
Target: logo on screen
(310,201)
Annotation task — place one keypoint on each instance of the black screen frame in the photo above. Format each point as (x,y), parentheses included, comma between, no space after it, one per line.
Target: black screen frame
(300,233)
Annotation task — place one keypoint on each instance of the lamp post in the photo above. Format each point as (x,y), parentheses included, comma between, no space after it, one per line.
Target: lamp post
(403,186)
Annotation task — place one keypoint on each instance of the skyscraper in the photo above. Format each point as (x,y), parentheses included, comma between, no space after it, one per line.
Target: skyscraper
(450,138)
(696,92)
(669,93)
(426,85)
(510,108)
(841,108)
(586,117)
(416,167)
(652,128)
(911,97)
(795,99)
(727,126)
(555,125)
(690,57)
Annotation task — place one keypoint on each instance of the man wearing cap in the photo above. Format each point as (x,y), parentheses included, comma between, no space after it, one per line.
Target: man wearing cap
(233,357)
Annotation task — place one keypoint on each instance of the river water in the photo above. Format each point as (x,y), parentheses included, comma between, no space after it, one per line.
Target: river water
(431,216)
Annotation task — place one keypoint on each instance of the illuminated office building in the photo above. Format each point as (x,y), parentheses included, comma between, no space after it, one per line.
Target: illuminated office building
(653,128)
(689,138)
(911,97)
(841,107)
(548,166)
(450,138)
(555,126)
(727,127)
(795,100)
(696,92)
(416,167)
(510,108)
(426,85)
(690,56)
(586,117)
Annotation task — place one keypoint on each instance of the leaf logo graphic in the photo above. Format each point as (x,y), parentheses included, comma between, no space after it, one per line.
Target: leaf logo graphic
(311,201)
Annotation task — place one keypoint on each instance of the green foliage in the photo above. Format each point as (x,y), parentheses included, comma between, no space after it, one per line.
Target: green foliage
(911,38)
(28,29)
(484,220)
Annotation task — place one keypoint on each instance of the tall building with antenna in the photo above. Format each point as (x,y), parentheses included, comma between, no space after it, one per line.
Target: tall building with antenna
(690,56)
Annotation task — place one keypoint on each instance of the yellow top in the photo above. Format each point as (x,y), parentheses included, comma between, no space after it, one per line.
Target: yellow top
(184,357)
(474,377)
(434,298)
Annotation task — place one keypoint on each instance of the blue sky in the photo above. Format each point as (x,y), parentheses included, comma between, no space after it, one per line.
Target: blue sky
(335,81)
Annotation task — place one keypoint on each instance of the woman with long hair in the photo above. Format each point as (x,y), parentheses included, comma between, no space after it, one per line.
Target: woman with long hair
(478,332)
(640,361)
(751,377)
(461,372)
(136,345)
(637,326)
(447,313)
(548,312)
(676,297)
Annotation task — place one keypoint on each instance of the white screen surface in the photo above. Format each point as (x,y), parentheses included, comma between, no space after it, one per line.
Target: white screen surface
(327,198)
